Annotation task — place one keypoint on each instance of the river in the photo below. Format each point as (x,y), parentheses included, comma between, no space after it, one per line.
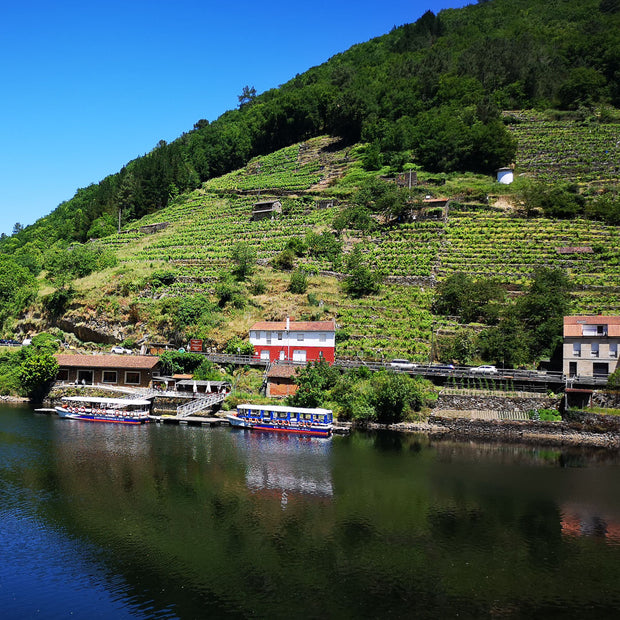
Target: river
(102,521)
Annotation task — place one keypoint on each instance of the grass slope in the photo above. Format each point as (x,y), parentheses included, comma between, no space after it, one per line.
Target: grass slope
(476,238)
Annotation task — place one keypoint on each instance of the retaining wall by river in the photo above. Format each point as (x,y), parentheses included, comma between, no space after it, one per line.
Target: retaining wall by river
(495,403)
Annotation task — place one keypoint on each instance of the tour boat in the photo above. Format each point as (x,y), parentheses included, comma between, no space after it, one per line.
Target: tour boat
(282,419)
(112,410)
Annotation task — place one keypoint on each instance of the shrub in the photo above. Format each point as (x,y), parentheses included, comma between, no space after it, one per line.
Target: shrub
(613,381)
(238,346)
(299,282)
(258,286)
(285,261)
(545,415)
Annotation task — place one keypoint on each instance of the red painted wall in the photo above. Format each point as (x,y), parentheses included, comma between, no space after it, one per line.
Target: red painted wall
(312,353)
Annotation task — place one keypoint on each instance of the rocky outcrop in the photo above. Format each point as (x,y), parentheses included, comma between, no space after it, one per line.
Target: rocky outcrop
(567,432)
(92,331)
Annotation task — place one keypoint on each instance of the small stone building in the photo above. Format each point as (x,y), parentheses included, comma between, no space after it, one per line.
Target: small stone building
(266,210)
(113,370)
(281,380)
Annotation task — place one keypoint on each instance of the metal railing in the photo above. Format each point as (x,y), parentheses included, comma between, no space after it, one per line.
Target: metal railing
(200,404)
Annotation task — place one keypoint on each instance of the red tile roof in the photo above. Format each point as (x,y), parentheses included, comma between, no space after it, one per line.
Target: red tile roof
(296,326)
(142,362)
(572,324)
(282,371)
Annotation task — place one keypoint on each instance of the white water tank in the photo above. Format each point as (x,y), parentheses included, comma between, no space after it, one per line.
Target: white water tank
(505,176)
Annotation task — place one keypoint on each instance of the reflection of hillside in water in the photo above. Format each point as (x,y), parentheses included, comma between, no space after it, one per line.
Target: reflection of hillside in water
(285,463)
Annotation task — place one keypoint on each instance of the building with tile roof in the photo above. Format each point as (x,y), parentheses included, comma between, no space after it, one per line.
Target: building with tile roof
(591,345)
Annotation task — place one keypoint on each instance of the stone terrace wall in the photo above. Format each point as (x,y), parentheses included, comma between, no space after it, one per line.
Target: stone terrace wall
(606,399)
(495,403)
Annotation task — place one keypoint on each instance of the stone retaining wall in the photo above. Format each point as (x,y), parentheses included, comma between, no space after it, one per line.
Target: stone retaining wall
(602,398)
(495,403)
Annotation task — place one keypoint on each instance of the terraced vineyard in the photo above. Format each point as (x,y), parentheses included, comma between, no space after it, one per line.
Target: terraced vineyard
(291,169)
(204,226)
(566,150)
(509,248)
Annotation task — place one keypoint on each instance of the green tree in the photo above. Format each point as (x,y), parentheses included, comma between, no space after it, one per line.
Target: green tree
(244,257)
(396,395)
(506,344)
(36,374)
(542,309)
(177,362)
(362,280)
(17,288)
(314,381)
(471,299)
(239,346)
(248,94)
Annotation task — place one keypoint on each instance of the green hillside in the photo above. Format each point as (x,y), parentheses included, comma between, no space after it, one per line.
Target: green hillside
(402,275)
(160,276)
(431,91)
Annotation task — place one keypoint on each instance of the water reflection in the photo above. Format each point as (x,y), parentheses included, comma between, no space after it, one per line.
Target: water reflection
(189,522)
(286,464)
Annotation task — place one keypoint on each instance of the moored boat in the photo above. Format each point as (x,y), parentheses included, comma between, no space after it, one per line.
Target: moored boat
(111,410)
(283,419)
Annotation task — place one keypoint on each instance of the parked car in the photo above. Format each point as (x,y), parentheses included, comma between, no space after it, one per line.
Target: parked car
(120,350)
(402,364)
(485,370)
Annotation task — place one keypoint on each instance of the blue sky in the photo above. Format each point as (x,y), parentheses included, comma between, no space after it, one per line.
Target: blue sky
(88,86)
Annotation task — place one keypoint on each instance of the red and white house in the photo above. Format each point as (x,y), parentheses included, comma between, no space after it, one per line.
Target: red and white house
(297,341)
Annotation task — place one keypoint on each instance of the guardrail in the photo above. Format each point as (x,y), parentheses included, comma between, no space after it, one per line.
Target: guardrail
(428,370)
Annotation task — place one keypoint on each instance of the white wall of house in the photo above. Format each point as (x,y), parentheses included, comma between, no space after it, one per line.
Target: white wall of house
(281,337)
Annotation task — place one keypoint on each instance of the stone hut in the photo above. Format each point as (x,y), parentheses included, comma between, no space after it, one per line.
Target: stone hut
(266,210)
(281,380)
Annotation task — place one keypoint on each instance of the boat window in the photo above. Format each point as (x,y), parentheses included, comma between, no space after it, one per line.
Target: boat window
(282,414)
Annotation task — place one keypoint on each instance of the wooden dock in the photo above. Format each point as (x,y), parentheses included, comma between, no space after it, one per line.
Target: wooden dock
(189,420)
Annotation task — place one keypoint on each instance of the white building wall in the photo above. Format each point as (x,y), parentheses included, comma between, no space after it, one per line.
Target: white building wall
(310,339)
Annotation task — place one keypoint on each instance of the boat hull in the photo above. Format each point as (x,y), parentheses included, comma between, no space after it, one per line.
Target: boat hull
(106,418)
(316,430)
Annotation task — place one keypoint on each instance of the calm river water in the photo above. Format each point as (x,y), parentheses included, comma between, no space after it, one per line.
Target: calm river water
(180,522)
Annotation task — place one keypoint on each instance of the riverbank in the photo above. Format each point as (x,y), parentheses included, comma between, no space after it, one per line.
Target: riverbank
(17,400)
(578,429)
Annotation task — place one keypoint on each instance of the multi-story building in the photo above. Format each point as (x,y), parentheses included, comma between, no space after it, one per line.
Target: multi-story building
(591,345)
(297,341)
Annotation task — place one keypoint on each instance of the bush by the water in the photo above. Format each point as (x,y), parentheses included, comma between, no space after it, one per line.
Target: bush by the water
(545,415)
(363,396)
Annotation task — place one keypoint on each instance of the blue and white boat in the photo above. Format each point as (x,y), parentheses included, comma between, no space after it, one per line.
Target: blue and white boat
(111,410)
(283,419)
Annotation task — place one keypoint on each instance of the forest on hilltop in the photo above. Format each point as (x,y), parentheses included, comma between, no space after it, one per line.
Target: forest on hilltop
(429,92)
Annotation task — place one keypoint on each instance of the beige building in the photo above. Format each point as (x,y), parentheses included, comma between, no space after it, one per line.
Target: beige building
(591,345)
(119,370)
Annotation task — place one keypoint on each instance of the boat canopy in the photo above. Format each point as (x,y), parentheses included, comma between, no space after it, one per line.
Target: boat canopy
(112,402)
(284,409)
